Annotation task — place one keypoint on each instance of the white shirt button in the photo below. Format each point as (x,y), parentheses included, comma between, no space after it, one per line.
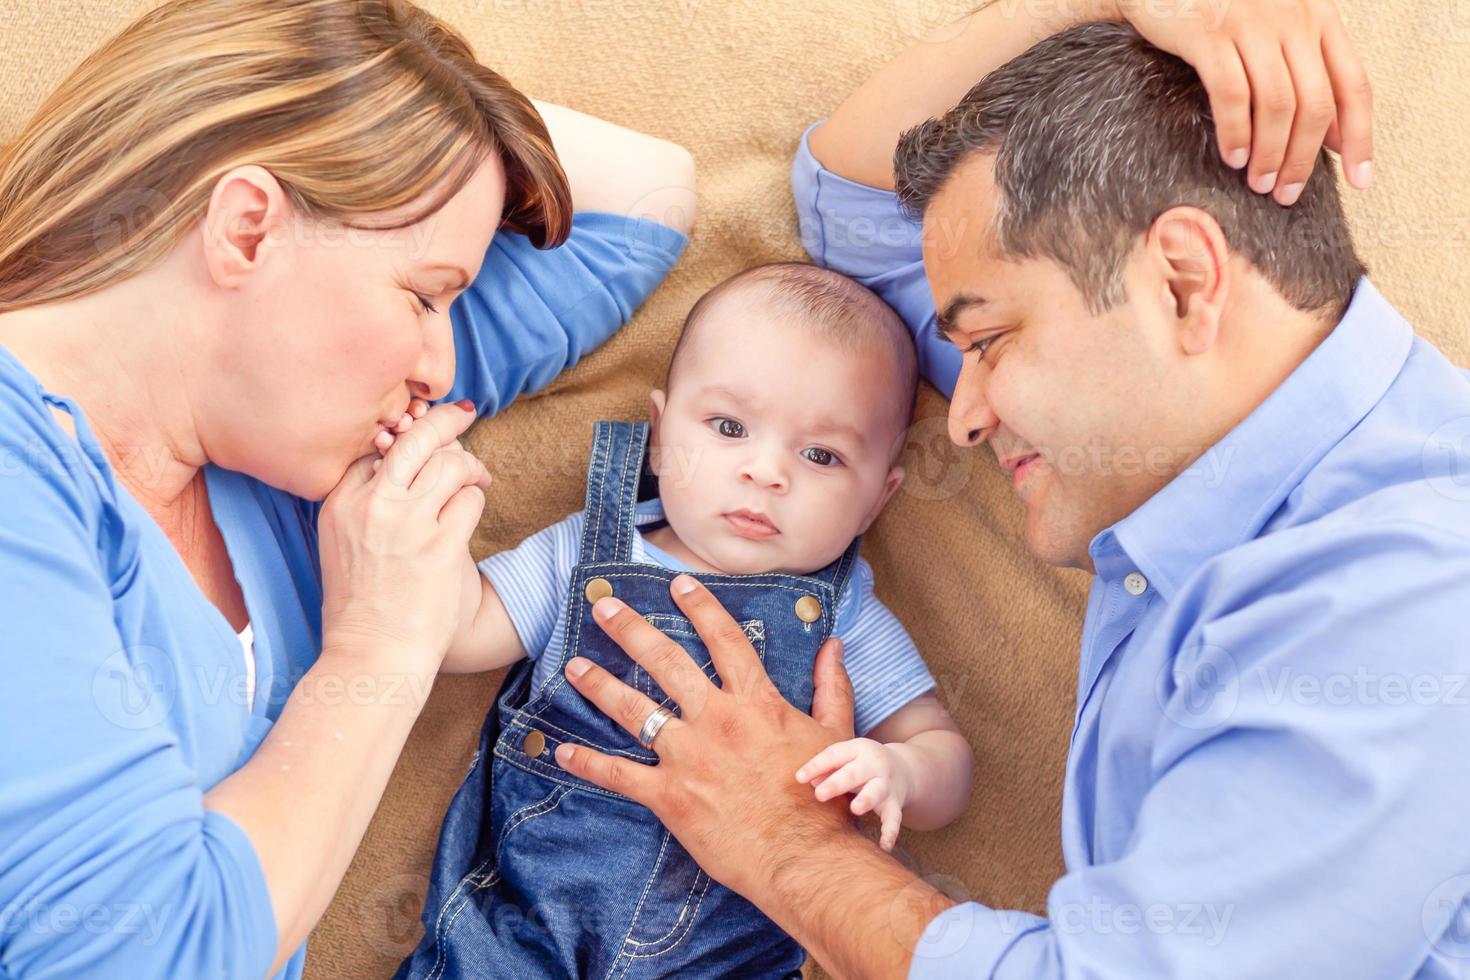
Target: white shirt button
(1135,583)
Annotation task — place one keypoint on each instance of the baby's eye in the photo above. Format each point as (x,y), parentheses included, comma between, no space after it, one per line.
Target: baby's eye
(729,428)
(822,457)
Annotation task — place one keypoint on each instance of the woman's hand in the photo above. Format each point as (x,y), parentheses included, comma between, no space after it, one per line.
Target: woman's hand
(1282,78)
(724,784)
(394,535)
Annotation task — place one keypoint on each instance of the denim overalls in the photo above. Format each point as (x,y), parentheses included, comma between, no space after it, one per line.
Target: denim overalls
(540,873)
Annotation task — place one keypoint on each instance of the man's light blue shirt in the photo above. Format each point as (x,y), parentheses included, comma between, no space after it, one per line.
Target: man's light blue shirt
(1269,773)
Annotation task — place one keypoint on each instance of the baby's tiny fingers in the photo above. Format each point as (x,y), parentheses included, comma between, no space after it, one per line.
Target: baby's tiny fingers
(826,760)
(890,817)
(402,425)
(417,407)
(844,780)
(383,441)
(872,794)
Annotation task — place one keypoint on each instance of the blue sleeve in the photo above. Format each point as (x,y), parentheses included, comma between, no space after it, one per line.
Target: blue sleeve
(531,314)
(532,578)
(1307,795)
(109,863)
(860,231)
(881,660)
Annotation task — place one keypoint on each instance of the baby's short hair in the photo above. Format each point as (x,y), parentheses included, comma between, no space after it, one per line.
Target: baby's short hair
(841,308)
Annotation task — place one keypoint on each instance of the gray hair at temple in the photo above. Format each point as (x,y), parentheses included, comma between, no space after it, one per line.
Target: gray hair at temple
(841,309)
(1095,133)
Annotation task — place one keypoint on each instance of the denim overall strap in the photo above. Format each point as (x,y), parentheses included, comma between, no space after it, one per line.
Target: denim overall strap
(613,475)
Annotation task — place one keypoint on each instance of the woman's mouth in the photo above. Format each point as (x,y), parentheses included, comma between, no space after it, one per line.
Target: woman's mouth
(750,525)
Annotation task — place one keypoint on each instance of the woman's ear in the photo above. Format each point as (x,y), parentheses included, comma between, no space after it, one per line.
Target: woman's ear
(247,205)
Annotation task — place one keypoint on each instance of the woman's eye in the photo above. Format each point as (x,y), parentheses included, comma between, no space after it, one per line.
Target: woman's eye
(424,302)
(729,428)
(822,457)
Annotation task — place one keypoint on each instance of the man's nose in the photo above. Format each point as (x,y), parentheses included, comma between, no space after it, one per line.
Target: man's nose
(971,420)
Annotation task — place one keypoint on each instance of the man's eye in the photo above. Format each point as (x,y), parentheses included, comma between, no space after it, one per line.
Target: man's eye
(822,457)
(729,428)
(981,346)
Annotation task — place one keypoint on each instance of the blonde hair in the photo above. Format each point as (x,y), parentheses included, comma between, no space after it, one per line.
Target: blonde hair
(355,106)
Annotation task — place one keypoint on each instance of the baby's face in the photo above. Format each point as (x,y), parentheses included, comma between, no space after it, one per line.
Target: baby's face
(769,418)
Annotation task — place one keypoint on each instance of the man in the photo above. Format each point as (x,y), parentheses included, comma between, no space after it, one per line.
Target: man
(1202,400)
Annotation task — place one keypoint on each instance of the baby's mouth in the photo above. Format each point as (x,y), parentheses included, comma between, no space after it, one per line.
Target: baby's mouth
(751,525)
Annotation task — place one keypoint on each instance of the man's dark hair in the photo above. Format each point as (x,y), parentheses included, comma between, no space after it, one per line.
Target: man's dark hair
(1095,133)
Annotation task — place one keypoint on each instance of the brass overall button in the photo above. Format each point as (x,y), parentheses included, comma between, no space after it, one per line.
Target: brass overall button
(598,588)
(534,744)
(808,609)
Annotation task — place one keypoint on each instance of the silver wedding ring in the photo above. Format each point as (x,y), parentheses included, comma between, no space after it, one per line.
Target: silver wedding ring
(651,725)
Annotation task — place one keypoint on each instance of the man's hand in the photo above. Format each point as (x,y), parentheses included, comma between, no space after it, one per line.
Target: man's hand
(724,784)
(725,787)
(1282,77)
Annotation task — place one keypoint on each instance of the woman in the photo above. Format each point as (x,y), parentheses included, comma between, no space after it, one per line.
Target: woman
(229,245)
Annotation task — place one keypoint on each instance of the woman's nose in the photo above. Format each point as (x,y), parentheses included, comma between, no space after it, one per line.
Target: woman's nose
(971,419)
(434,373)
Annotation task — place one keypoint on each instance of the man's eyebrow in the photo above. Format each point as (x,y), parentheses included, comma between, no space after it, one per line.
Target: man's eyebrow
(953,309)
(464,277)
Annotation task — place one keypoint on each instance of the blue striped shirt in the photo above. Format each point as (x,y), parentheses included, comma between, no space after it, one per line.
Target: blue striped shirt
(532,580)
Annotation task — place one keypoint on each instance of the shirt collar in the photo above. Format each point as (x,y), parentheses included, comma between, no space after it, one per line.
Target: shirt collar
(1228,494)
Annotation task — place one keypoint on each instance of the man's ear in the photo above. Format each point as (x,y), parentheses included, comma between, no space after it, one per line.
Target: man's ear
(1188,251)
(247,205)
(890,484)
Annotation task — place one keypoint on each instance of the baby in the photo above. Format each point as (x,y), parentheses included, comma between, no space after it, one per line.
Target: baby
(771,451)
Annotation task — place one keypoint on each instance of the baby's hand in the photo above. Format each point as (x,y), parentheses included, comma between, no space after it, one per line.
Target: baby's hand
(384,442)
(861,762)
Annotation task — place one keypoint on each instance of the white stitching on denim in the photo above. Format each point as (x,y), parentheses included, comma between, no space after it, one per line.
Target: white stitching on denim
(688,925)
(647,884)
(441,928)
